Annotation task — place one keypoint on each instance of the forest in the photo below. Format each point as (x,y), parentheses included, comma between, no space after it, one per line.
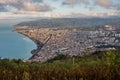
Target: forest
(103,65)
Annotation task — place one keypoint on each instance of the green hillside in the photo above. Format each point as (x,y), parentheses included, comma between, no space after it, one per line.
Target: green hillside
(98,66)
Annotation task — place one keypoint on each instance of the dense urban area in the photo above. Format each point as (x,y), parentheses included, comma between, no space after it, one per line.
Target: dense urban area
(57,38)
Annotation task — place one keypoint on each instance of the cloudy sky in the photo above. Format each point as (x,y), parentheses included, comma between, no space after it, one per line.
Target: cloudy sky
(58,8)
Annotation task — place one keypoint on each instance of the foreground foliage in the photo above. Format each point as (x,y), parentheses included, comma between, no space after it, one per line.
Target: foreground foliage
(99,66)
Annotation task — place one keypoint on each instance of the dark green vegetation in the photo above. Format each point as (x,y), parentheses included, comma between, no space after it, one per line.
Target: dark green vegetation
(72,22)
(99,66)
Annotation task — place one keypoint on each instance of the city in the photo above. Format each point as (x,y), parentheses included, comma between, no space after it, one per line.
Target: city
(72,41)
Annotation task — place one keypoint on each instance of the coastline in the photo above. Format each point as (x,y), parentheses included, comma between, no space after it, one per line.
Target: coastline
(33,40)
(50,41)
(27,36)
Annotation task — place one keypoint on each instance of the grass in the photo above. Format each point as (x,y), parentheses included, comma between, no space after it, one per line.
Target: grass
(100,66)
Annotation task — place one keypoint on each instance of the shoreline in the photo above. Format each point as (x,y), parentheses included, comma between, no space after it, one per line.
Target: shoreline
(33,40)
(50,42)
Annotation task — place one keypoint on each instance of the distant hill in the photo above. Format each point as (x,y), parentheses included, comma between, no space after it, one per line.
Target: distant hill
(72,22)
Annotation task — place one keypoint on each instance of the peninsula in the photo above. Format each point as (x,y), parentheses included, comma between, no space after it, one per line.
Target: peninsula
(70,36)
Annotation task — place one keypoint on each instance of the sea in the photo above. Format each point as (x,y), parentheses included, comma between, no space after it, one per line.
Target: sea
(12,44)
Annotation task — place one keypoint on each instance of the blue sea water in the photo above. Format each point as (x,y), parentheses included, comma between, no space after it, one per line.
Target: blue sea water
(14,45)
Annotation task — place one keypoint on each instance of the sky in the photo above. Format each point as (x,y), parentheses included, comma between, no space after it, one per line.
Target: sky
(10,9)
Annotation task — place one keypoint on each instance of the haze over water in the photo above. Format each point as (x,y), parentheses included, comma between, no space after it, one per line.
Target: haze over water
(12,44)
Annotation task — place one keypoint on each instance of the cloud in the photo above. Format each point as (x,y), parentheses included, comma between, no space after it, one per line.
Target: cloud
(74,2)
(24,5)
(37,0)
(78,15)
(2,9)
(4,2)
(108,4)
(89,15)
(29,6)
(104,3)
(118,6)
(44,8)
(25,12)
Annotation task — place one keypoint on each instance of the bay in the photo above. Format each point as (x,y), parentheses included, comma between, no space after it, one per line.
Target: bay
(14,45)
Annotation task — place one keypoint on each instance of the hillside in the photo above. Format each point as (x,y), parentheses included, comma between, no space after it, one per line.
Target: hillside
(105,66)
(72,22)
